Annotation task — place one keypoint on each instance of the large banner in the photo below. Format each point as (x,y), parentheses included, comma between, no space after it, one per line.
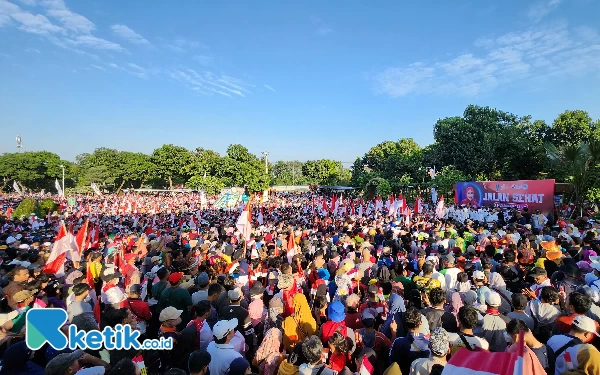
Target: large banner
(534,194)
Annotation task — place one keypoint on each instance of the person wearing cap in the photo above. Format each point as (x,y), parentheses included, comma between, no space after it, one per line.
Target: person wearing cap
(70,364)
(202,281)
(450,272)
(140,309)
(242,316)
(582,328)
(111,293)
(439,348)
(221,350)
(198,362)
(368,337)
(177,297)
(578,304)
(80,312)
(540,276)
(287,290)
(494,323)
(18,276)
(170,318)
(377,307)
(336,314)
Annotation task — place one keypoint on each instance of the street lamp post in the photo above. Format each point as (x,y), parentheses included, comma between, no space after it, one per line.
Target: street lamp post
(63,178)
(266,155)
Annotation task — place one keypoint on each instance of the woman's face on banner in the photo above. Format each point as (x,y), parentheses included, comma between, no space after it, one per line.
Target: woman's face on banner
(470,194)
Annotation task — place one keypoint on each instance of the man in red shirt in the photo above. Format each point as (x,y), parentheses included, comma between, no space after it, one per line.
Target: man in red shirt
(579,304)
(139,309)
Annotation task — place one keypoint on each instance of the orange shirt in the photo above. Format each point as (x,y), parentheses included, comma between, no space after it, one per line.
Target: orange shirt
(563,324)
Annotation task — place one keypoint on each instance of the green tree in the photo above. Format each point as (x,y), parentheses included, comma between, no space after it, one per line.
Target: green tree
(572,128)
(34,170)
(27,207)
(447,177)
(581,164)
(204,162)
(171,163)
(136,168)
(211,185)
(323,171)
(288,173)
(378,187)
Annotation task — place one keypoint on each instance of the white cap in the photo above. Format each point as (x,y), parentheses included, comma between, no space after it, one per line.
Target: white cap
(478,275)
(584,323)
(493,299)
(169,313)
(223,327)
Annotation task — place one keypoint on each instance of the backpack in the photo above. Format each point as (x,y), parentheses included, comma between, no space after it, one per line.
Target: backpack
(542,332)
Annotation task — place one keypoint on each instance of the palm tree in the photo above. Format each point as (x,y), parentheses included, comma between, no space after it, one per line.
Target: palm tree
(579,163)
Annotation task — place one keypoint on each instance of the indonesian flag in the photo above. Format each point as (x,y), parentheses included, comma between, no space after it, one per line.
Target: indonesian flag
(418,205)
(9,212)
(82,236)
(324,208)
(439,210)
(62,245)
(290,246)
(518,360)
(333,204)
(243,223)
(366,368)
(407,215)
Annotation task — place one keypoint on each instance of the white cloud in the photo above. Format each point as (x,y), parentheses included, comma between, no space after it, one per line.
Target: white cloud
(4,55)
(35,23)
(32,50)
(540,9)
(538,53)
(53,4)
(137,71)
(204,59)
(97,67)
(95,42)
(113,65)
(72,21)
(208,82)
(6,10)
(126,33)
(182,45)
(269,88)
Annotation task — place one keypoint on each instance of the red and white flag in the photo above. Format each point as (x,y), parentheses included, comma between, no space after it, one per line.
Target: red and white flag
(366,367)
(291,247)
(439,210)
(244,223)
(62,245)
(418,205)
(517,361)
(80,238)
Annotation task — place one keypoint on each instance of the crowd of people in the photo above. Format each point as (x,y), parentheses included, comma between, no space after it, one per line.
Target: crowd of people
(310,290)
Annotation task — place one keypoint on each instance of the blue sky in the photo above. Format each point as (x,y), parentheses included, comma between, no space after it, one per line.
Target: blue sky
(303,80)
